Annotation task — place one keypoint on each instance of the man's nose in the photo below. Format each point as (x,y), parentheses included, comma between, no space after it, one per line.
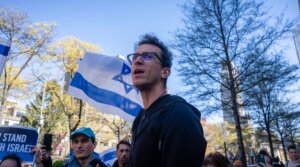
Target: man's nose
(79,145)
(138,60)
(124,153)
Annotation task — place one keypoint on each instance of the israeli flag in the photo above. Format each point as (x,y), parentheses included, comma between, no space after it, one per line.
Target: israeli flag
(4,50)
(109,156)
(105,83)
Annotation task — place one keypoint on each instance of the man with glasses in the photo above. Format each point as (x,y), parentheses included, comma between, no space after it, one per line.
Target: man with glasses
(167,132)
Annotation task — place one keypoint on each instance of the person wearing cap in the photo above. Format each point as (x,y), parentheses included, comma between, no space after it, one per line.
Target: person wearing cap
(83,143)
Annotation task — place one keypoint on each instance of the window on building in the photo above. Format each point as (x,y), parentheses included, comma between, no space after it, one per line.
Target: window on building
(19,114)
(10,111)
(6,122)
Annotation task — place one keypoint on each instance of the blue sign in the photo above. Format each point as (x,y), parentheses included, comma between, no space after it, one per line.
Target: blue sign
(18,140)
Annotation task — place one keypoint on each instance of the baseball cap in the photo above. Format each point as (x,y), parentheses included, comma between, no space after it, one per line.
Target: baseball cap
(85,131)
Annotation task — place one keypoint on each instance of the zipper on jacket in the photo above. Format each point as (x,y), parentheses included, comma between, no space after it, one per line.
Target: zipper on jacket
(159,145)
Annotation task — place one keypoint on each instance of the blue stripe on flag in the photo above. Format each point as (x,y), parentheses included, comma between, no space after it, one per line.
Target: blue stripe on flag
(105,96)
(108,156)
(4,50)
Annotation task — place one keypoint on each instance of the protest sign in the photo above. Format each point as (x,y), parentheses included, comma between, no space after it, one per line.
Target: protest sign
(18,140)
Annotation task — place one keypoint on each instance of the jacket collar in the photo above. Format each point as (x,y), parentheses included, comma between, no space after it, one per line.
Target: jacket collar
(155,108)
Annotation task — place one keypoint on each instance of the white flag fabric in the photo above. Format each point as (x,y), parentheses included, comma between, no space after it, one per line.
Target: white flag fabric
(4,50)
(108,156)
(105,83)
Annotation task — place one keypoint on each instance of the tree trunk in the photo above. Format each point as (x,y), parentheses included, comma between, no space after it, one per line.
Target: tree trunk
(2,108)
(293,141)
(79,116)
(70,130)
(235,109)
(283,146)
(270,140)
(240,137)
(118,134)
(3,99)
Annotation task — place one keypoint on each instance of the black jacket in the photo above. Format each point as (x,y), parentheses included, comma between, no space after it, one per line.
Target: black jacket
(168,134)
(93,163)
(115,164)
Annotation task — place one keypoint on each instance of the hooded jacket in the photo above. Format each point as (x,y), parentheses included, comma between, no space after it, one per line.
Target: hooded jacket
(93,163)
(168,134)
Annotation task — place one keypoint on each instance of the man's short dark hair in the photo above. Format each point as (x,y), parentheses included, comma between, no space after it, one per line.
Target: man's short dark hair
(261,154)
(12,157)
(264,153)
(122,142)
(291,147)
(166,54)
(216,159)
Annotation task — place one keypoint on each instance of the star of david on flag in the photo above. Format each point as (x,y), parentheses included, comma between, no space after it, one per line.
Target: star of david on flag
(125,71)
(4,50)
(105,83)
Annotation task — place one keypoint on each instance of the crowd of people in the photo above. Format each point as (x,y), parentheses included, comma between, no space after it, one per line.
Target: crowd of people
(262,159)
(167,132)
(84,142)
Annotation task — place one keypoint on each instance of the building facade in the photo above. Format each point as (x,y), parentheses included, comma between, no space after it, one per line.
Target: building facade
(226,99)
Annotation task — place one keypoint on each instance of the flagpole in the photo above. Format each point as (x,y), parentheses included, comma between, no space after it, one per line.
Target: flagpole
(41,122)
(4,51)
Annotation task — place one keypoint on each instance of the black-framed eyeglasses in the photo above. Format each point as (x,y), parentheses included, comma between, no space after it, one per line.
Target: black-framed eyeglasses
(146,56)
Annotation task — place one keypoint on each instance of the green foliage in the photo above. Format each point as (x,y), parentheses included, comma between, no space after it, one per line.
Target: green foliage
(68,50)
(58,163)
(214,135)
(29,41)
(53,117)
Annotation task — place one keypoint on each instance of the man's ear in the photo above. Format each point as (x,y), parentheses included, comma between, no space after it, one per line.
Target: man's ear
(165,72)
(95,144)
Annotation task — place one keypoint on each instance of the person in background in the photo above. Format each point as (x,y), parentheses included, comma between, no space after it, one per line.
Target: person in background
(83,143)
(294,157)
(263,159)
(42,156)
(167,132)
(277,162)
(237,163)
(122,151)
(11,160)
(216,159)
